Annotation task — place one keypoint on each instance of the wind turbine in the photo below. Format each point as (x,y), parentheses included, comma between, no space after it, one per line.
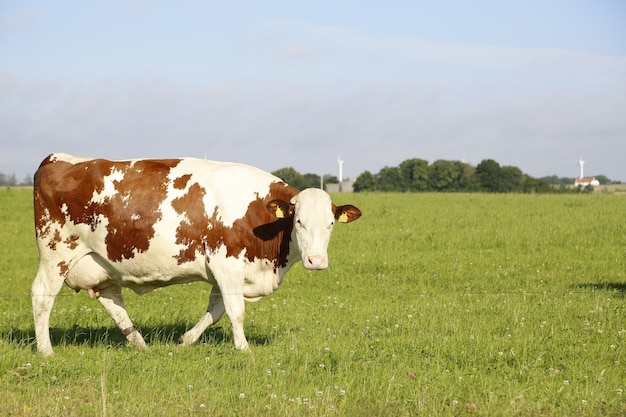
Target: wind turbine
(581,162)
(340,169)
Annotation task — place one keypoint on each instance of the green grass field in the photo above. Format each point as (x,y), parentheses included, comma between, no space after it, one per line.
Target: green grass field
(434,304)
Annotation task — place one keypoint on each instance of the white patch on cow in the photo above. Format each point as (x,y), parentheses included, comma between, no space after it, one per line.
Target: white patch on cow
(72,159)
(231,187)
(108,190)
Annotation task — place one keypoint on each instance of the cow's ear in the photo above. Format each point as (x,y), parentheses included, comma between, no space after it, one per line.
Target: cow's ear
(347,213)
(279,208)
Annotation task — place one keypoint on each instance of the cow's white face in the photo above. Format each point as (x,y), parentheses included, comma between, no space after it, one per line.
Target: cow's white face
(314,216)
(313,221)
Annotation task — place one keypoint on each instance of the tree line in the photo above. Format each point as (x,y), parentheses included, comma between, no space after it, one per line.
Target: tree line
(11,180)
(418,175)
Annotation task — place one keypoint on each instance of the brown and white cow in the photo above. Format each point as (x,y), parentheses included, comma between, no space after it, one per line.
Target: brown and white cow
(147,223)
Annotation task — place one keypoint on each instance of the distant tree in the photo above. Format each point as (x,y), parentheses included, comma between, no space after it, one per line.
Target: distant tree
(330,179)
(489,175)
(10,180)
(365,182)
(511,179)
(390,179)
(413,175)
(443,176)
(28,180)
(312,180)
(467,179)
(603,180)
(292,177)
(534,185)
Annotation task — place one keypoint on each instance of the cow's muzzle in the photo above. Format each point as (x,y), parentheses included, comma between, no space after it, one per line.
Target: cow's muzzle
(315,262)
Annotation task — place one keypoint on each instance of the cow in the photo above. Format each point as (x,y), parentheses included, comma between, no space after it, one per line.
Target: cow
(143,224)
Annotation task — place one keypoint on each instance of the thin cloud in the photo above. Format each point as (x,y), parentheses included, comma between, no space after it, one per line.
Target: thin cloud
(295,52)
(20,18)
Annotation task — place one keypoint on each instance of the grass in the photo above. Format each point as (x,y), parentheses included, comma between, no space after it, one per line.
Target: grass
(434,304)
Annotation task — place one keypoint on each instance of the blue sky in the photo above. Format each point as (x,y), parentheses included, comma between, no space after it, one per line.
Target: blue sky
(534,84)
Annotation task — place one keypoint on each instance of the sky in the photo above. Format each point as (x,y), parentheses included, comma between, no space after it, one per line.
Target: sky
(535,84)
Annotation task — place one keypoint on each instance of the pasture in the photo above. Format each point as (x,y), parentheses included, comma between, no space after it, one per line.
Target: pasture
(434,304)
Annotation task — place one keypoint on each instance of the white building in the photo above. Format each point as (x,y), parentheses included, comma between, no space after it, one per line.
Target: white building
(582,180)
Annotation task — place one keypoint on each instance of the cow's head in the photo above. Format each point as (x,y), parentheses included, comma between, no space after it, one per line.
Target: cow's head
(314,216)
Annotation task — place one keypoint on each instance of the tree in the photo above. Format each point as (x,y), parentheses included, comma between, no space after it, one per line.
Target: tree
(414,175)
(467,179)
(292,177)
(312,180)
(511,179)
(489,175)
(443,176)
(365,182)
(603,180)
(390,179)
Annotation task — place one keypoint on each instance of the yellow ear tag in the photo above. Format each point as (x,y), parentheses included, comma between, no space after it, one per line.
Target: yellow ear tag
(343,218)
(279,213)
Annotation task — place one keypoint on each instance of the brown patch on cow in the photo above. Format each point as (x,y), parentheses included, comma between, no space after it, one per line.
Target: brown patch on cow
(63,268)
(55,240)
(72,241)
(262,235)
(190,232)
(64,191)
(181,182)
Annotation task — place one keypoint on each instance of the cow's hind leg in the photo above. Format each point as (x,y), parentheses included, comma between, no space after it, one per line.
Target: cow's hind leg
(214,312)
(112,301)
(43,291)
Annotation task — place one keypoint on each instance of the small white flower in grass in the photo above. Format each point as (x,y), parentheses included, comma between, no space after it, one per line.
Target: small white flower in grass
(566,382)
(202,405)
(170,354)
(322,366)
(320,394)
(342,392)
(620,391)
(584,402)
(242,395)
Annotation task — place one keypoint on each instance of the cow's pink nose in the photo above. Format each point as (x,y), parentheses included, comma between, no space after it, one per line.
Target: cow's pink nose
(316,262)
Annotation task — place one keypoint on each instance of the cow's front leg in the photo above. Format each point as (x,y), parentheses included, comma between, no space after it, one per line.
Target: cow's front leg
(112,301)
(234,305)
(214,312)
